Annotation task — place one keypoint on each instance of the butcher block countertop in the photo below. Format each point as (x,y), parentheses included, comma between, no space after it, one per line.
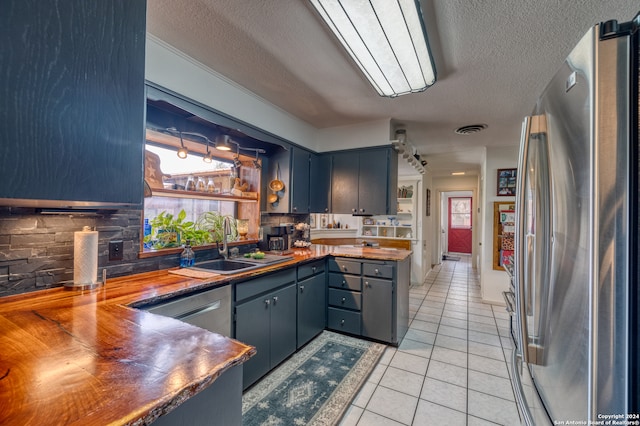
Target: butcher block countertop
(90,357)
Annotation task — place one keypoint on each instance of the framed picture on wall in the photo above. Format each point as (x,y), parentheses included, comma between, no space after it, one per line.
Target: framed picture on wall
(428,209)
(507,182)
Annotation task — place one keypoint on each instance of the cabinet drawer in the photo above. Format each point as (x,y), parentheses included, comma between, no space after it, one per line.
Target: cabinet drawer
(378,270)
(345,299)
(310,269)
(251,288)
(347,282)
(342,320)
(345,266)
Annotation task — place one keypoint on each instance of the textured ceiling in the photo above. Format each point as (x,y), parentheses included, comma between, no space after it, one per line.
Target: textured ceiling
(492,59)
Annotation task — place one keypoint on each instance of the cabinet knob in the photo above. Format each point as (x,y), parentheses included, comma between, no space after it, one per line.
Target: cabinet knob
(344,283)
(353,210)
(344,267)
(267,302)
(361,210)
(326,210)
(344,299)
(377,271)
(301,288)
(295,209)
(341,322)
(313,268)
(366,284)
(275,299)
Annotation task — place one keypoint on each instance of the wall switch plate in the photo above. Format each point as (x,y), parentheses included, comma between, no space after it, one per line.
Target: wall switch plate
(116,250)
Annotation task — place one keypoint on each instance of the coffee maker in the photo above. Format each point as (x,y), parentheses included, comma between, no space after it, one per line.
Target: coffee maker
(278,237)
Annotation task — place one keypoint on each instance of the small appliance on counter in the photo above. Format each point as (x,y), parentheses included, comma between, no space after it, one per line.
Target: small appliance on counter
(277,237)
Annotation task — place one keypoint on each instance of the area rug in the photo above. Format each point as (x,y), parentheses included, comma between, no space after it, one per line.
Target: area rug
(315,386)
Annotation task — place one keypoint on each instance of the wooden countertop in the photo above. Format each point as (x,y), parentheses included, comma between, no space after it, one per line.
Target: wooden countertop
(90,357)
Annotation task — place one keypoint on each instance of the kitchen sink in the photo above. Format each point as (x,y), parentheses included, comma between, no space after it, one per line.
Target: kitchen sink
(225,266)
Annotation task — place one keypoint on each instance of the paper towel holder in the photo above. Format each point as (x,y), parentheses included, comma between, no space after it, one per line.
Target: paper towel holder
(73,286)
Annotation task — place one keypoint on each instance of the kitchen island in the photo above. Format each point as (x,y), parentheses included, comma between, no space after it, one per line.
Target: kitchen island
(91,357)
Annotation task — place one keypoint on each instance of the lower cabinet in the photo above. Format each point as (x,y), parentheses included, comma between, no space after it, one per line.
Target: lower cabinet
(265,317)
(312,301)
(369,298)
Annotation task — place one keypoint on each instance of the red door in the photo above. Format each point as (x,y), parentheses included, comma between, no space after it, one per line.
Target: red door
(459,236)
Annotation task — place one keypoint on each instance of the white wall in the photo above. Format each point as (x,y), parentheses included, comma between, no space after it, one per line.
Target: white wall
(359,135)
(172,69)
(493,282)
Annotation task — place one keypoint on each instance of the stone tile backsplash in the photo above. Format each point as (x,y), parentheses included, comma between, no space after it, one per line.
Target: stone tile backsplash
(36,250)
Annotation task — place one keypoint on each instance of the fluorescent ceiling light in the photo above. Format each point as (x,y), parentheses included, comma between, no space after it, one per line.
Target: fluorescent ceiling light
(457,173)
(386,39)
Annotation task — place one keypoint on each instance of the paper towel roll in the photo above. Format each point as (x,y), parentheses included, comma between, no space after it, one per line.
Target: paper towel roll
(85,256)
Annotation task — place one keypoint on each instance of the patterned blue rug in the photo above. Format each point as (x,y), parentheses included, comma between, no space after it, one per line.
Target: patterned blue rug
(315,386)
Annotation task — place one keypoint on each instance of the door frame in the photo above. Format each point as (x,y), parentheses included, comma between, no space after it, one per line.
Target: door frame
(449,228)
(442,220)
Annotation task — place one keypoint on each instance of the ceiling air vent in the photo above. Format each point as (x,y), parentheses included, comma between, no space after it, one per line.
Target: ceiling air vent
(472,128)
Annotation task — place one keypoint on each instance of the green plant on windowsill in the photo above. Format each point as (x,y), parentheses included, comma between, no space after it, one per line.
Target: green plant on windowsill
(213,222)
(169,231)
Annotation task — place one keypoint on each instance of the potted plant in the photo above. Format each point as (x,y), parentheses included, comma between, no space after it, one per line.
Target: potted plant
(213,222)
(166,230)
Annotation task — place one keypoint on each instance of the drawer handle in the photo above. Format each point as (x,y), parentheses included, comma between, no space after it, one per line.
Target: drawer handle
(267,302)
(301,288)
(275,299)
(377,271)
(344,299)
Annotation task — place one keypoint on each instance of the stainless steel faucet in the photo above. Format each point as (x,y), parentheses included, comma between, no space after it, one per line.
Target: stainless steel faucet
(226,230)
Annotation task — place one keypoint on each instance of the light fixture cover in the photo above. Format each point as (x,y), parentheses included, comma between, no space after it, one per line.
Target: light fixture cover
(222,143)
(386,39)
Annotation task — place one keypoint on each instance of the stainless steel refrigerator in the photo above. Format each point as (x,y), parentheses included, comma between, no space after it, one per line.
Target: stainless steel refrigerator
(574,297)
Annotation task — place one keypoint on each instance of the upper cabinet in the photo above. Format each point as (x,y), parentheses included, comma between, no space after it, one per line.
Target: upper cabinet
(73,99)
(364,181)
(293,168)
(320,183)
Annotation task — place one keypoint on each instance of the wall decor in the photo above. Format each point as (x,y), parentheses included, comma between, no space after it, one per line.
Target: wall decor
(428,209)
(507,182)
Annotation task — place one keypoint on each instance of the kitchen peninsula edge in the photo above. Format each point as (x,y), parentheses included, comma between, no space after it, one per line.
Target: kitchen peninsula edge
(91,357)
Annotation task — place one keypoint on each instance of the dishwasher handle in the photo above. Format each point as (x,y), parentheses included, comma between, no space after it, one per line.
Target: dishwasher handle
(212,307)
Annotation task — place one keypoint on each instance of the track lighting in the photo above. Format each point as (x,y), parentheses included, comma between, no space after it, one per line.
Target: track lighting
(208,158)
(182,152)
(223,142)
(256,162)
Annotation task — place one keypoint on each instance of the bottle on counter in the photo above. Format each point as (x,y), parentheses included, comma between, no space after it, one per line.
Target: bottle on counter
(188,257)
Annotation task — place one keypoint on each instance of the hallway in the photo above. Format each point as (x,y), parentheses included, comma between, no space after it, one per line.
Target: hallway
(451,367)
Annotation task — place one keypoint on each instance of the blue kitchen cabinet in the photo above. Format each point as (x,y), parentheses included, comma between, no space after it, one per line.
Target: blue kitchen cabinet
(73,100)
(265,317)
(312,301)
(320,183)
(364,181)
(300,174)
(369,298)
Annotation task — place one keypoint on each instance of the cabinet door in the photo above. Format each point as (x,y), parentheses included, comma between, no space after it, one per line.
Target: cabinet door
(377,309)
(320,183)
(73,102)
(312,307)
(300,181)
(252,327)
(344,182)
(372,188)
(283,324)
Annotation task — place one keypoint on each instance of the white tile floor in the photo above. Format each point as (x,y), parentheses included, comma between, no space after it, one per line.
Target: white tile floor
(451,367)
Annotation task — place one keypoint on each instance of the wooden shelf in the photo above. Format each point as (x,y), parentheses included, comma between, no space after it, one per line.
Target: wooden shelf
(176,193)
(499,207)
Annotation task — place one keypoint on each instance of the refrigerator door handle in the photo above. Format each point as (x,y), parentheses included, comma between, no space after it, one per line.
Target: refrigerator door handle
(518,390)
(519,272)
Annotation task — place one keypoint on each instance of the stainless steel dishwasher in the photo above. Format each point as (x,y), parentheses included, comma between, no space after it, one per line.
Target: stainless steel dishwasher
(210,309)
